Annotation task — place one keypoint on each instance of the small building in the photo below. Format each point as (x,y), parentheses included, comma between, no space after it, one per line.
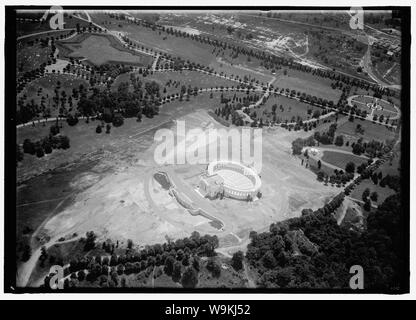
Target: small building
(211,186)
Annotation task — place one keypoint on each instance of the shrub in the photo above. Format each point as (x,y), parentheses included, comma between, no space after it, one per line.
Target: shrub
(189,278)
(72,120)
(214,268)
(118,121)
(237,260)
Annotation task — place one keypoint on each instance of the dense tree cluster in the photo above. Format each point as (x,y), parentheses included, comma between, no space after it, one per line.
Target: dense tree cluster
(312,251)
(174,256)
(299,143)
(114,106)
(328,136)
(372,148)
(46,145)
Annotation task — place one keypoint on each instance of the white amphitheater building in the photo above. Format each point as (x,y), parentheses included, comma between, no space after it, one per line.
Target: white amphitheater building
(231,179)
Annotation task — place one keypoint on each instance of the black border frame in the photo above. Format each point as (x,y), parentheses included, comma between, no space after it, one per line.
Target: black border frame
(10,154)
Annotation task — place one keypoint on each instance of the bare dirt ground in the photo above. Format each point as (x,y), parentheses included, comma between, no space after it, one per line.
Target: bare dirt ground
(119,198)
(127,203)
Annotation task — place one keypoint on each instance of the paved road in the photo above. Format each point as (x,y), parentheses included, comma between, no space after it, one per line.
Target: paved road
(26,269)
(43,32)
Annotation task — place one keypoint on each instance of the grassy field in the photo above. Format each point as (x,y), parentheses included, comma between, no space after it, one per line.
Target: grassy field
(341,159)
(186,78)
(100,49)
(29,27)
(186,48)
(292,109)
(35,204)
(308,83)
(41,198)
(387,70)
(31,57)
(394,168)
(387,111)
(48,84)
(383,193)
(372,131)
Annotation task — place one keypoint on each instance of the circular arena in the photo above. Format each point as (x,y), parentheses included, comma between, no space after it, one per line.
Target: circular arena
(237,180)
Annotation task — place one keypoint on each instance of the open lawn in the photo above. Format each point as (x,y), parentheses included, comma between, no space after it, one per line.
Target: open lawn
(186,48)
(313,165)
(100,49)
(308,83)
(45,87)
(30,57)
(383,193)
(392,169)
(290,111)
(389,71)
(372,131)
(341,159)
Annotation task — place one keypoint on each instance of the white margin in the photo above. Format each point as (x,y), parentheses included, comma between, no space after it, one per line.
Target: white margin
(222,296)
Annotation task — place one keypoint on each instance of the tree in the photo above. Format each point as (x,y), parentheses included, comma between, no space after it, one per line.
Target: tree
(374,196)
(72,120)
(98,129)
(350,167)
(374,177)
(81,275)
(367,205)
(269,261)
(118,121)
(319,164)
(214,268)
(196,263)
(169,263)
(27,253)
(189,278)
(29,147)
(366,194)
(177,271)
(19,154)
(108,128)
(54,130)
(129,244)
(297,146)
(64,142)
(237,260)
(46,145)
(39,152)
(339,141)
(90,241)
